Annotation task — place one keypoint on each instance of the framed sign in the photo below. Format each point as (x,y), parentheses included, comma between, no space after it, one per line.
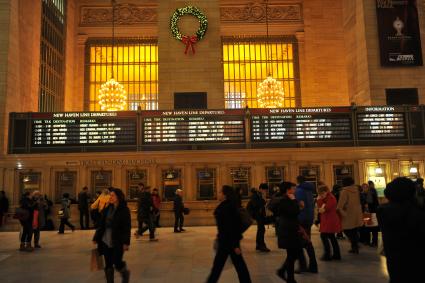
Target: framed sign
(399,35)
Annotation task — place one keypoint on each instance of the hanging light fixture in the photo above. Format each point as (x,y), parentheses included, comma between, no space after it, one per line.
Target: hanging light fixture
(378,169)
(270,93)
(413,169)
(112,95)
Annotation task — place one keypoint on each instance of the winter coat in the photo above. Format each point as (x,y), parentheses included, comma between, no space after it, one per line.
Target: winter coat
(178,205)
(145,205)
(41,206)
(121,227)
(4,205)
(66,207)
(403,234)
(101,202)
(287,230)
(27,204)
(228,224)
(372,200)
(304,193)
(83,201)
(330,221)
(156,199)
(258,207)
(349,208)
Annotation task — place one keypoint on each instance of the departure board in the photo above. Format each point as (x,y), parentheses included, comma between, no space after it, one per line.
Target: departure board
(193,126)
(301,124)
(381,122)
(83,129)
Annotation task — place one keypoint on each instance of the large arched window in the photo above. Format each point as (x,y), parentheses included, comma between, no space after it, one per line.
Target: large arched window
(135,67)
(246,64)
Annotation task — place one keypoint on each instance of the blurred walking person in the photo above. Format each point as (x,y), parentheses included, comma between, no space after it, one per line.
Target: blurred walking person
(113,235)
(178,207)
(65,214)
(330,223)
(229,235)
(156,199)
(288,230)
(145,214)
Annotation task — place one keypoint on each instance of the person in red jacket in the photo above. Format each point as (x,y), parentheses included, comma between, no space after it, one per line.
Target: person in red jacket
(330,223)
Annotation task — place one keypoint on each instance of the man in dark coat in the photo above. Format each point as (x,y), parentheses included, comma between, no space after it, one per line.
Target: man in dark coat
(145,214)
(83,206)
(178,208)
(258,207)
(402,224)
(304,196)
(4,206)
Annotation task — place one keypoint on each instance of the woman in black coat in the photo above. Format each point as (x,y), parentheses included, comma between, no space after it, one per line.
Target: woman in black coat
(229,227)
(287,233)
(113,235)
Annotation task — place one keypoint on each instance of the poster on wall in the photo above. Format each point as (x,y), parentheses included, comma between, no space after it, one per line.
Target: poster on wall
(399,35)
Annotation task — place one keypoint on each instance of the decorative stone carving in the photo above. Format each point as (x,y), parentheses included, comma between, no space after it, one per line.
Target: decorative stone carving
(255,12)
(125,14)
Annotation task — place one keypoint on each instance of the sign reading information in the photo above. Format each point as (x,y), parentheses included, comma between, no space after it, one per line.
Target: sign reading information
(302,124)
(399,35)
(193,126)
(83,129)
(381,122)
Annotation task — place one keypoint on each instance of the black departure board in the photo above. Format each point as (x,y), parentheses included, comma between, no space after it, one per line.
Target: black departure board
(301,124)
(381,122)
(74,129)
(193,126)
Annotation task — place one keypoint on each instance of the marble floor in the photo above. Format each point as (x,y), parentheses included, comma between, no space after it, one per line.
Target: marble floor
(175,258)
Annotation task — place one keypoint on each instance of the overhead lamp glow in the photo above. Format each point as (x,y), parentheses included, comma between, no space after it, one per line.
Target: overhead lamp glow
(270,93)
(413,170)
(378,170)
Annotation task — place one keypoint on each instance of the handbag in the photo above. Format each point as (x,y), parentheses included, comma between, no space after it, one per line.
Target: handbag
(305,239)
(61,213)
(373,221)
(186,210)
(96,262)
(367,218)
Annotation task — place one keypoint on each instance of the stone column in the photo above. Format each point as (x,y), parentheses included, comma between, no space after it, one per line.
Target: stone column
(200,72)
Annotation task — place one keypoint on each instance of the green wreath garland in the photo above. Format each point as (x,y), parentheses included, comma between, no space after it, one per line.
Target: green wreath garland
(189,41)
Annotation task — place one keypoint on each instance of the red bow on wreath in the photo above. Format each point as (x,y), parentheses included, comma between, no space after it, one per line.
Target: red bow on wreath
(189,41)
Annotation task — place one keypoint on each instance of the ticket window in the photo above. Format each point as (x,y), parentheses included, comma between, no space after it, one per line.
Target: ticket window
(410,170)
(100,180)
(134,178)
(206,184)
(341,172)
(66,182)
(171,181)
(241,180)
(377,173)
(29,181)
(311,175)
(274,176)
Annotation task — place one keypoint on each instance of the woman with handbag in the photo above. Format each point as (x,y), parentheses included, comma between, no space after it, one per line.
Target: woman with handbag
(229,226)
(65,214)
(113,235)
(330,223)
(288,232)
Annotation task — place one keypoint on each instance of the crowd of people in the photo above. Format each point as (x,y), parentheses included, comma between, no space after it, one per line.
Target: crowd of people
(293,209)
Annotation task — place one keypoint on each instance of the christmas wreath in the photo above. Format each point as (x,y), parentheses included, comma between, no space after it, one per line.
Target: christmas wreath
(189,40)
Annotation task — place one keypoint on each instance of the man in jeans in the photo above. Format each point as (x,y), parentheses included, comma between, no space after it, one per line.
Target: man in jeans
(145,214)
(304,196)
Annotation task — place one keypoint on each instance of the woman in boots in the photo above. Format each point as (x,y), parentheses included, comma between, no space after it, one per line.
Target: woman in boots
(113,235)
(329,223)
(287,232)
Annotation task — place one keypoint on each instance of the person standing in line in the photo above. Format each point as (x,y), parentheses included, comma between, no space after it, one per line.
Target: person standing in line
(304,196)
(402,223)
(39,220)
(83,207)
(4,207)
(113,234)
(350,210)
(25,218)
(287,231)
(140,192)
(229,226)
(145,214)
(100,203)
(156,199)
(178,207)
(330,223)
(66,208)
(258,202)
(372,204)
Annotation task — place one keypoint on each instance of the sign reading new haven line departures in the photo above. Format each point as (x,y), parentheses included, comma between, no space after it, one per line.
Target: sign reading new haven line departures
(212,129)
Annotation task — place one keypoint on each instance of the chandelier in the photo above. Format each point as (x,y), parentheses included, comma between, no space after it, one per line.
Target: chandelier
(112,95)
(270,93)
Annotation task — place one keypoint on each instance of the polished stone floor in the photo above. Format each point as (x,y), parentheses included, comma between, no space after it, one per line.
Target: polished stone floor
(175,258)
